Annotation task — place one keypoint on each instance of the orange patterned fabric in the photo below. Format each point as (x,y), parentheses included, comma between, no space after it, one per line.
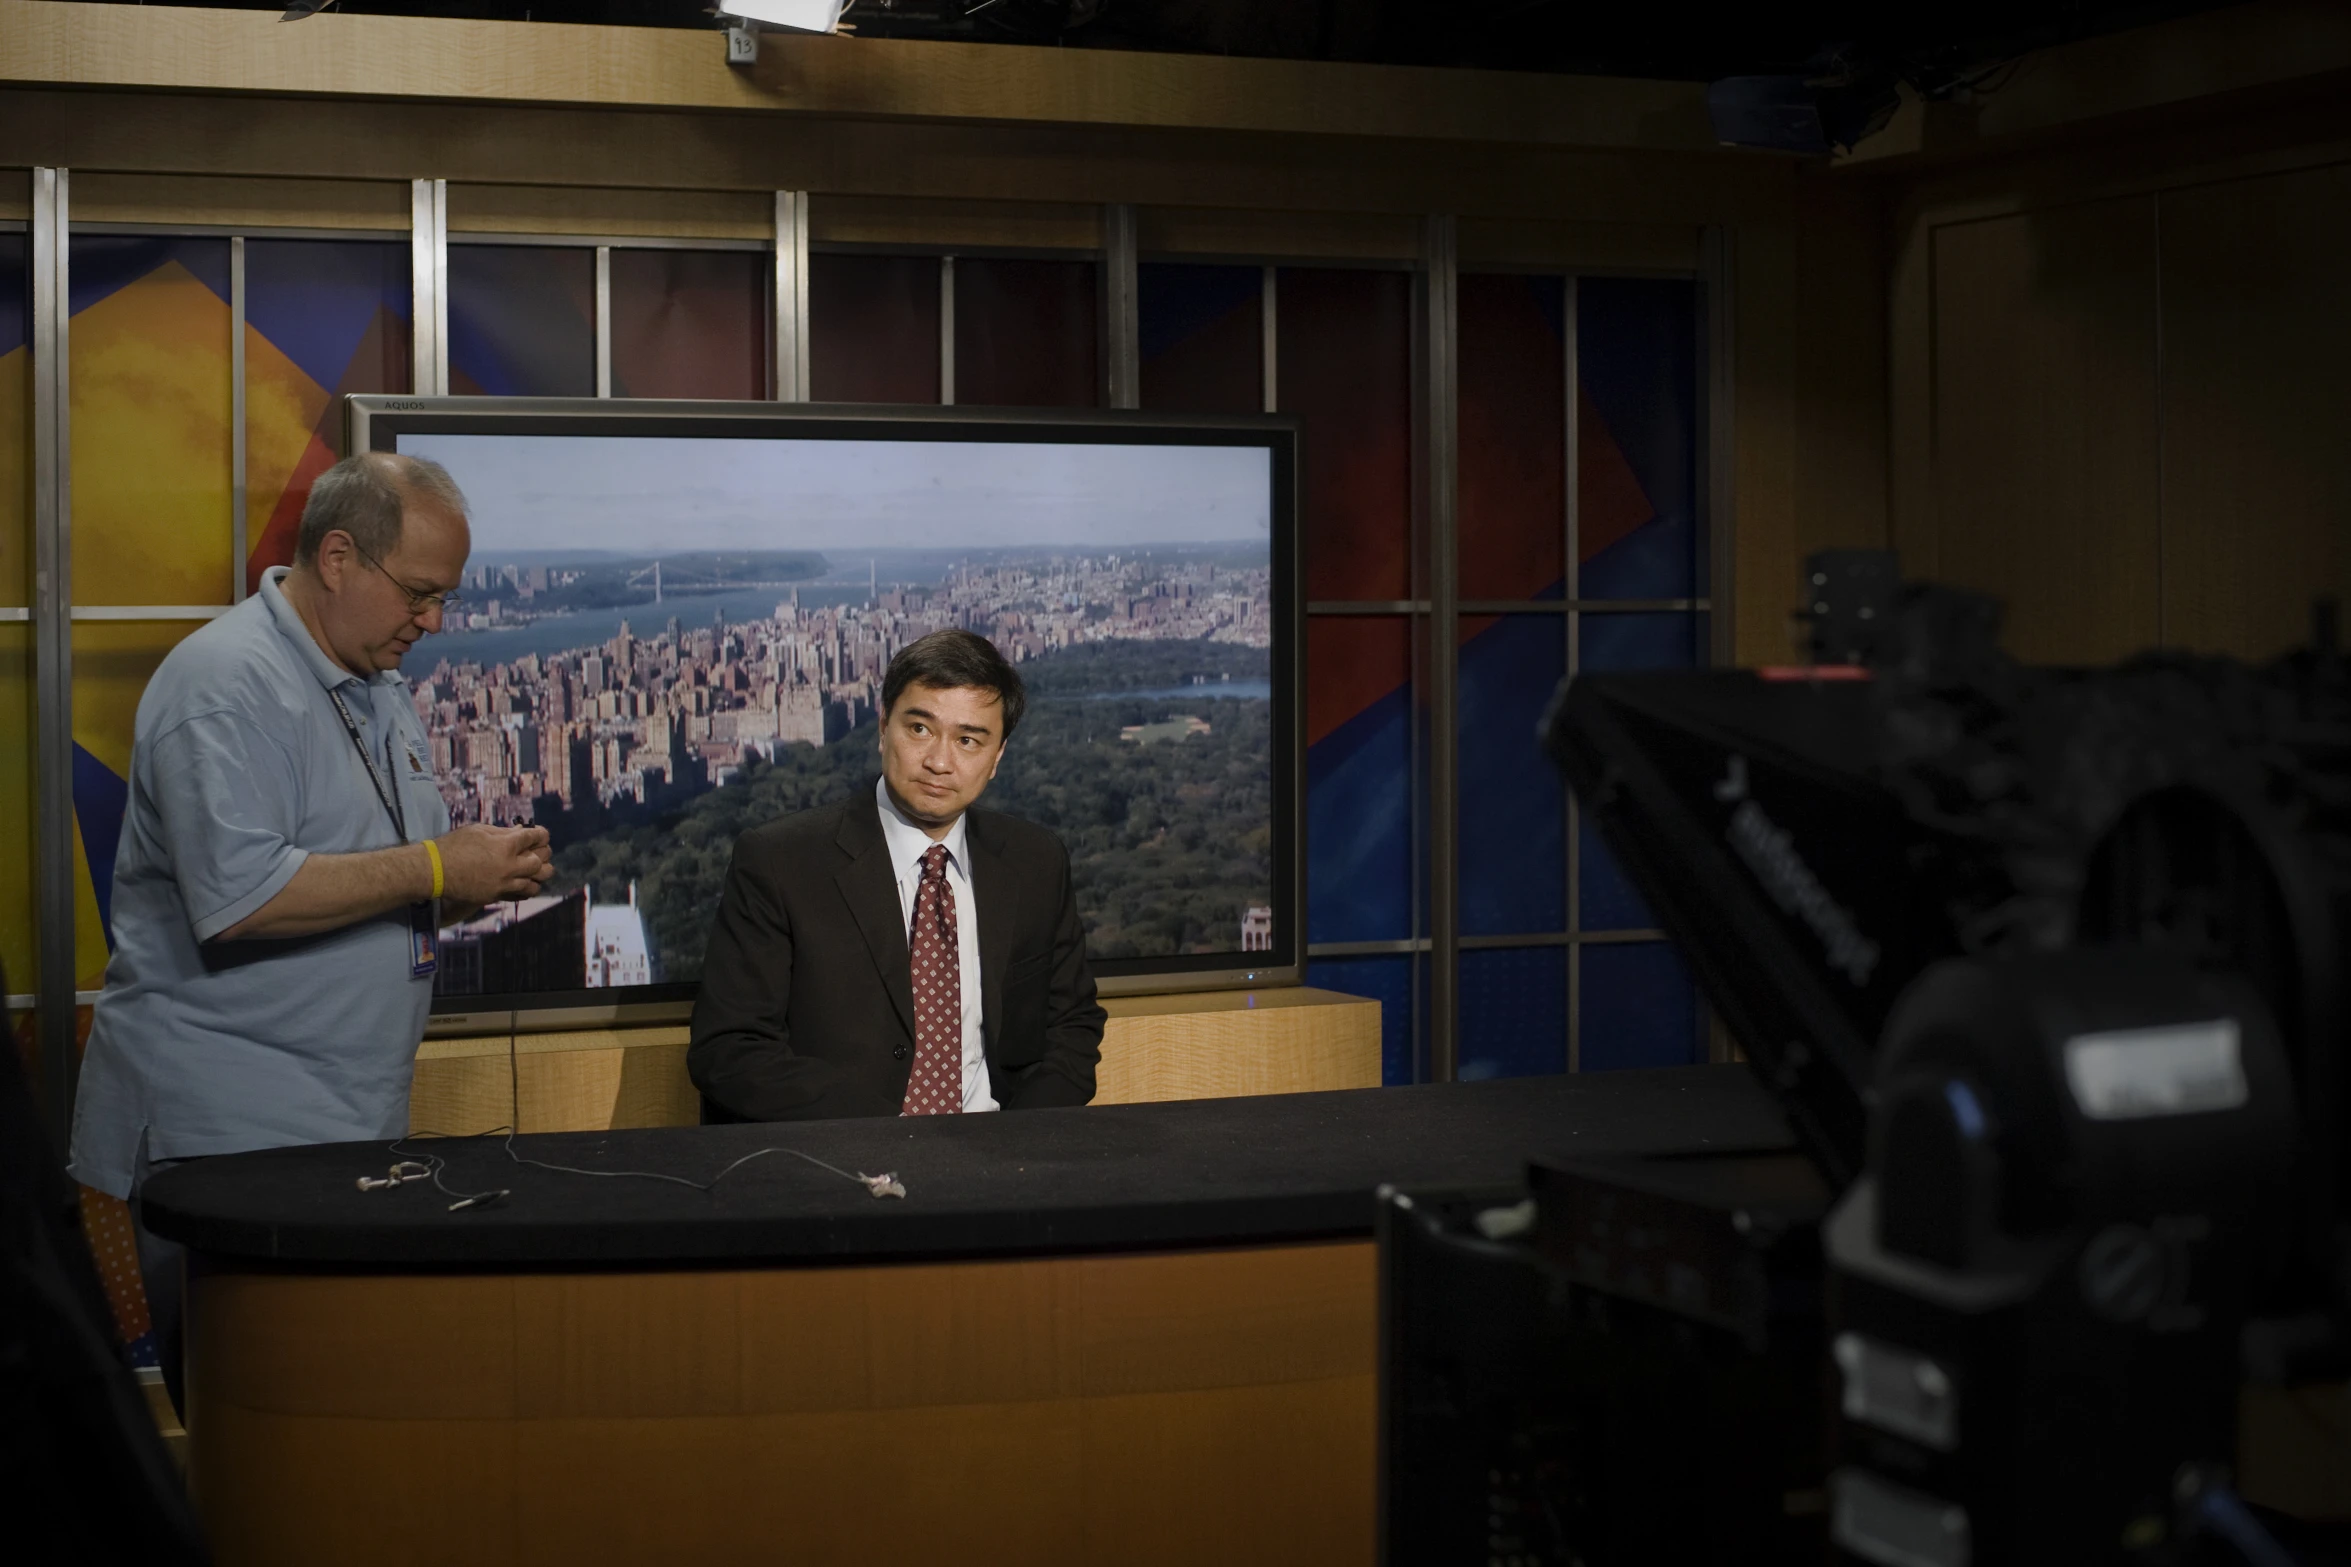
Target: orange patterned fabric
(106,1221)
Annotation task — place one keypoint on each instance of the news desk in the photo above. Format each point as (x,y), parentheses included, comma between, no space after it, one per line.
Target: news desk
(1121,1334)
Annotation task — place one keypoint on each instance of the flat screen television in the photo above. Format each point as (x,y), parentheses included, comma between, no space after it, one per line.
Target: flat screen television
(675,622)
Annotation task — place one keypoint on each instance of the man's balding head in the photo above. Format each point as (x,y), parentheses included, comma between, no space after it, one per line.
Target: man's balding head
(383,546)
(365,496)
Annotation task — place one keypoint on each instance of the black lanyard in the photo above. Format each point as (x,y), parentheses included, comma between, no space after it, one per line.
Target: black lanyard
(389,794)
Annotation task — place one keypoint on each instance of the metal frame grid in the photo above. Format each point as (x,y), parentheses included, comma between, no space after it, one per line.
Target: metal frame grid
(1437,572)
(52,468)
(786,324)
(428,273)
(1434,611)
(17,614)
(788,316)
(54,613)
(1122,310)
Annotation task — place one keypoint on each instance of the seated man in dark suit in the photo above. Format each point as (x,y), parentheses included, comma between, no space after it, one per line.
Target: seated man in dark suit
(902,954)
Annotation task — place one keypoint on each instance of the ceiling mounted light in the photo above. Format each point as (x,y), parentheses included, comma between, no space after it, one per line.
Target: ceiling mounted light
(743,20)
(796,16)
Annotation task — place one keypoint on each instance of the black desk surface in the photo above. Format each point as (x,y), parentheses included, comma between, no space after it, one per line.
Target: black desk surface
(1186,1173)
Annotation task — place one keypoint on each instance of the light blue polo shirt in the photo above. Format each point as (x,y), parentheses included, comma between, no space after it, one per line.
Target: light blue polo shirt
(240,770)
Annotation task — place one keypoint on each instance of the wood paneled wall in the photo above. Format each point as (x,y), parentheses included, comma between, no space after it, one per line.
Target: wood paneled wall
(437,61)
(196,116)
(2255,475)
(2044,419)
(2075,344)
(1808,399)
(2118,390)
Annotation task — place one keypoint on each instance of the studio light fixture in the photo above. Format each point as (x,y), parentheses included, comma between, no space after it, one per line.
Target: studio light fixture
(745,18)
(795,16)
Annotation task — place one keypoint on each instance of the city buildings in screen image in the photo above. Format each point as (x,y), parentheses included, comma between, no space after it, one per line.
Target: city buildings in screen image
(647,705)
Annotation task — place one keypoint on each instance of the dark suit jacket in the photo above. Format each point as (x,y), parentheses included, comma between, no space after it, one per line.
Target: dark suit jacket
(807,1004)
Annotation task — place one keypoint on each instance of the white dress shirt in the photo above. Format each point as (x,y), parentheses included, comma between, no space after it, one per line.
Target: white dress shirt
(907,844)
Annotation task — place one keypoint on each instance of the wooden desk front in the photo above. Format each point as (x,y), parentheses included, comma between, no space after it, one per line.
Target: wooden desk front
(1176,1407)
(1131,1333)
(1194,1045)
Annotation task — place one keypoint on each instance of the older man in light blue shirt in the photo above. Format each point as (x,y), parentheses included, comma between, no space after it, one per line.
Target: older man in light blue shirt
(282,858)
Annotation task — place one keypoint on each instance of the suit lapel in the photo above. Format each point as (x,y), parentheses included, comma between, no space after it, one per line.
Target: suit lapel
(998,895)
(870,888)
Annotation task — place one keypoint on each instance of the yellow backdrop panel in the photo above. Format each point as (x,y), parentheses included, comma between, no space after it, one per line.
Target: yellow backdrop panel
(16,532)
(112,662)
(151,443)
(283,406)
(16,805)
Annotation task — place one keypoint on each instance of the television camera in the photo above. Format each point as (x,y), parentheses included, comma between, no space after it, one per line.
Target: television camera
(2047,969)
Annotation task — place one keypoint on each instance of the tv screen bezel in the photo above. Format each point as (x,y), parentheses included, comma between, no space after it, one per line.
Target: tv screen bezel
(375,422)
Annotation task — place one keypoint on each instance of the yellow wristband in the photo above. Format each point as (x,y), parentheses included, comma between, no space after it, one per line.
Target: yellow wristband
(434,850)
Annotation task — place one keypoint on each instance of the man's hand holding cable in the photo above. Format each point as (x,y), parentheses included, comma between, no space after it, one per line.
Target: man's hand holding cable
(482,865)
(476,865)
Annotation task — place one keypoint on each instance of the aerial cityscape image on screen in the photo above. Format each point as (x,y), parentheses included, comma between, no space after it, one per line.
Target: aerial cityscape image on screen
(664,641)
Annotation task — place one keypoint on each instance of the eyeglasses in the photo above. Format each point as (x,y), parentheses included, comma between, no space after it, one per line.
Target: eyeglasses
(419,603)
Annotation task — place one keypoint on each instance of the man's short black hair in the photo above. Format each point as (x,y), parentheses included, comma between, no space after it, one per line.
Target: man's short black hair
(954,660)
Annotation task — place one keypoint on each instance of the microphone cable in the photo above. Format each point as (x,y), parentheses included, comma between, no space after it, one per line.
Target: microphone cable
(418,1164)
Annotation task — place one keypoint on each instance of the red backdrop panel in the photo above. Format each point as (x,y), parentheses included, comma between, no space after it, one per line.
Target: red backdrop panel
(1610,503)
(1026,333)
(1351,662)
(1513,439)
(1344,367)
(1202,338)
(873,329)
(689,323)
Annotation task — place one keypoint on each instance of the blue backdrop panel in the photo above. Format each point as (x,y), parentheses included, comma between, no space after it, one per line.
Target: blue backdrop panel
(1640,1007)
(100,264)
(100,801)
(1627,642)
(1359,826)
(16,305)
(1513,804)
(1641,641)
(522,321)
(1637,365)
(1513,1013)
(1608,901)
(1178,302)
(317,301)
(1387,981)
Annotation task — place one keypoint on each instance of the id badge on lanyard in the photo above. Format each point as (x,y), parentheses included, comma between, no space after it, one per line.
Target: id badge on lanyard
(424,940)
(424,923)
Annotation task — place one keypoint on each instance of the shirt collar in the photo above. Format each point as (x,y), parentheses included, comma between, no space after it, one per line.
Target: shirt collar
(330,674)
(908,842)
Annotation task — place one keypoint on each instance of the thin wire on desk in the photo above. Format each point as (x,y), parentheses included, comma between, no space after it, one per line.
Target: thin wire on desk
(883,1185)
(434,1164)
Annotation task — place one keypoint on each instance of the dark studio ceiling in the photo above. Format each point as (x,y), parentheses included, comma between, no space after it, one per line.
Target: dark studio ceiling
(1929,43)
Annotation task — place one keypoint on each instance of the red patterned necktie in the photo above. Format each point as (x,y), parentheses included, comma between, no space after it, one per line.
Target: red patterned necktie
(935,1086)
